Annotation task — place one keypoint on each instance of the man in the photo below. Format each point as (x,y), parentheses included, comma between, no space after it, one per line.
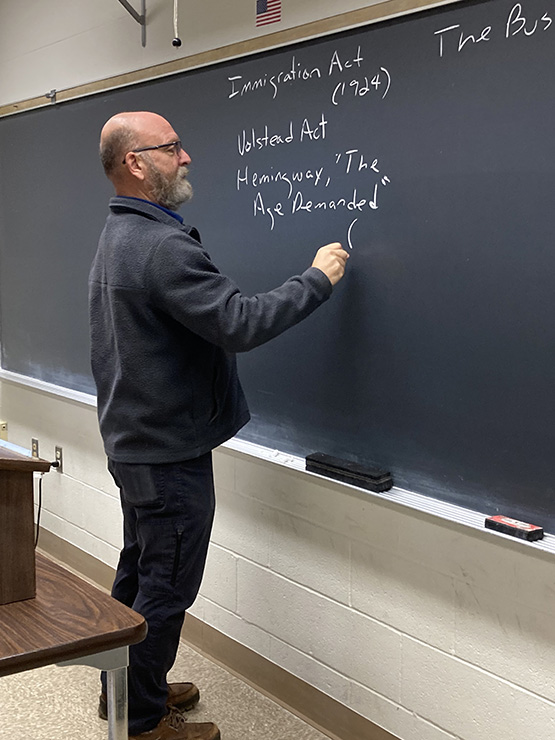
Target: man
(165,325)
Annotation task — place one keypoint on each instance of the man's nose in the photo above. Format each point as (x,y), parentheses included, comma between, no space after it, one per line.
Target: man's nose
(184,158)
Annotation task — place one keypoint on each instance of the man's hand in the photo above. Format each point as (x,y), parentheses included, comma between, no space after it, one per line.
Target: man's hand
(331,260)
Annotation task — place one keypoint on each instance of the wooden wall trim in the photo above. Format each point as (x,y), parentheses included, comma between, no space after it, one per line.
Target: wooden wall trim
(323,27)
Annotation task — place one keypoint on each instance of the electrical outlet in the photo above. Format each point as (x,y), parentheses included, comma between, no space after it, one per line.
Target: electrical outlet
(59,460)
(34,447)
(4,430)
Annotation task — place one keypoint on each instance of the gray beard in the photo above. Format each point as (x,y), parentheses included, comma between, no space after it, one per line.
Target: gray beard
(170,193)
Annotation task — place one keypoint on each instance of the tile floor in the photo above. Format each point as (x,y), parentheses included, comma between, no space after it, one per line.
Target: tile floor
(55,703)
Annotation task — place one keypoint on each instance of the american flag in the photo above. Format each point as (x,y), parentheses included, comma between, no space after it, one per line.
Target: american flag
(267,11)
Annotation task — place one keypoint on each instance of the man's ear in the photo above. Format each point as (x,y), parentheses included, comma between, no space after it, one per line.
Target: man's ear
(134,165)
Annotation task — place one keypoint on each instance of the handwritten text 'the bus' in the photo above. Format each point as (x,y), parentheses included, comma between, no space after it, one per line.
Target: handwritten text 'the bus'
(518,23)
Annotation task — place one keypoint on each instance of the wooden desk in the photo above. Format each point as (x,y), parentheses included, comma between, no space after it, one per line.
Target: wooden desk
(71,621)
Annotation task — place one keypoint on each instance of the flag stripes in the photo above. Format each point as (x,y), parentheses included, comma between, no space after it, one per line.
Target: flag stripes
(267,11)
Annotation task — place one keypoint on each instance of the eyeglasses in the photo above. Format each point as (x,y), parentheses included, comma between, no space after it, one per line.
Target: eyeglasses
(177,147)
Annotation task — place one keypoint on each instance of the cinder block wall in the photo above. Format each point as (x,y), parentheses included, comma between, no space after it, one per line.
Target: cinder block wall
(430,630)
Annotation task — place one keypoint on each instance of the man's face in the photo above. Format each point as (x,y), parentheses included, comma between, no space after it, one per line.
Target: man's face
(169,187)
(166,168)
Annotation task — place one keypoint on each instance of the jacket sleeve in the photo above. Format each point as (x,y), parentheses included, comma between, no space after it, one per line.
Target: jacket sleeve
(184,282)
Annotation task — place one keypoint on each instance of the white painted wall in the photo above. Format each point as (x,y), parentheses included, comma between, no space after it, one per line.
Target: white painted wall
(63,43)
(431,630)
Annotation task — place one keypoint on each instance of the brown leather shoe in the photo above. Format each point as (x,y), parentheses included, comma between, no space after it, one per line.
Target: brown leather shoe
(184,696)
(174,726)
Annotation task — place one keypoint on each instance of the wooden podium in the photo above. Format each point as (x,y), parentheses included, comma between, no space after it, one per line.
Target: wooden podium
(17,540)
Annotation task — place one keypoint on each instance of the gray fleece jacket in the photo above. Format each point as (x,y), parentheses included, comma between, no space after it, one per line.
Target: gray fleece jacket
(165,325)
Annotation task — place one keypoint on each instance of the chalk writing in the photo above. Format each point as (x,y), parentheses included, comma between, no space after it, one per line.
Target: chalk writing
(299,203)
(272,211)
(354,155)
(352,202)
(306,188)
(247,177)
(455,38)
(463,38)
(518,23)
(255,140)
(359,87)
(336,65)
(294,73)
(350,182)
(376,79)
(349,233)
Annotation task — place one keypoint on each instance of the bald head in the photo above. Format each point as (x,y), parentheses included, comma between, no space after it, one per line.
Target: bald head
(124,132)
(143,157)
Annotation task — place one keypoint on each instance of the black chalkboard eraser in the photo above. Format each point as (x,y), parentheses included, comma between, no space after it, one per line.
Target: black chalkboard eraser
(522,530)
(371,478)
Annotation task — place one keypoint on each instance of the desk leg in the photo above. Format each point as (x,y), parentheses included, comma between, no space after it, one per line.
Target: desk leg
(115,663)
(117,703)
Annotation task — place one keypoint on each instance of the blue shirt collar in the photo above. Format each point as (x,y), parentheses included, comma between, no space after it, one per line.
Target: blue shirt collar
(166,210)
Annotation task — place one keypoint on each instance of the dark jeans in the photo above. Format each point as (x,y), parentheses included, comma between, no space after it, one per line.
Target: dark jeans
(168,511)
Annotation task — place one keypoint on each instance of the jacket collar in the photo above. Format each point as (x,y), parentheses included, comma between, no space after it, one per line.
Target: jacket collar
(125,204)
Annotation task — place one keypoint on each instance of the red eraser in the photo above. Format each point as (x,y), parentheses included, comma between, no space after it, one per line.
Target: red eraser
(523,530)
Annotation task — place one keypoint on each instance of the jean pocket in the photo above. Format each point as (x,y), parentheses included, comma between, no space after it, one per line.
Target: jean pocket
(139,484)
